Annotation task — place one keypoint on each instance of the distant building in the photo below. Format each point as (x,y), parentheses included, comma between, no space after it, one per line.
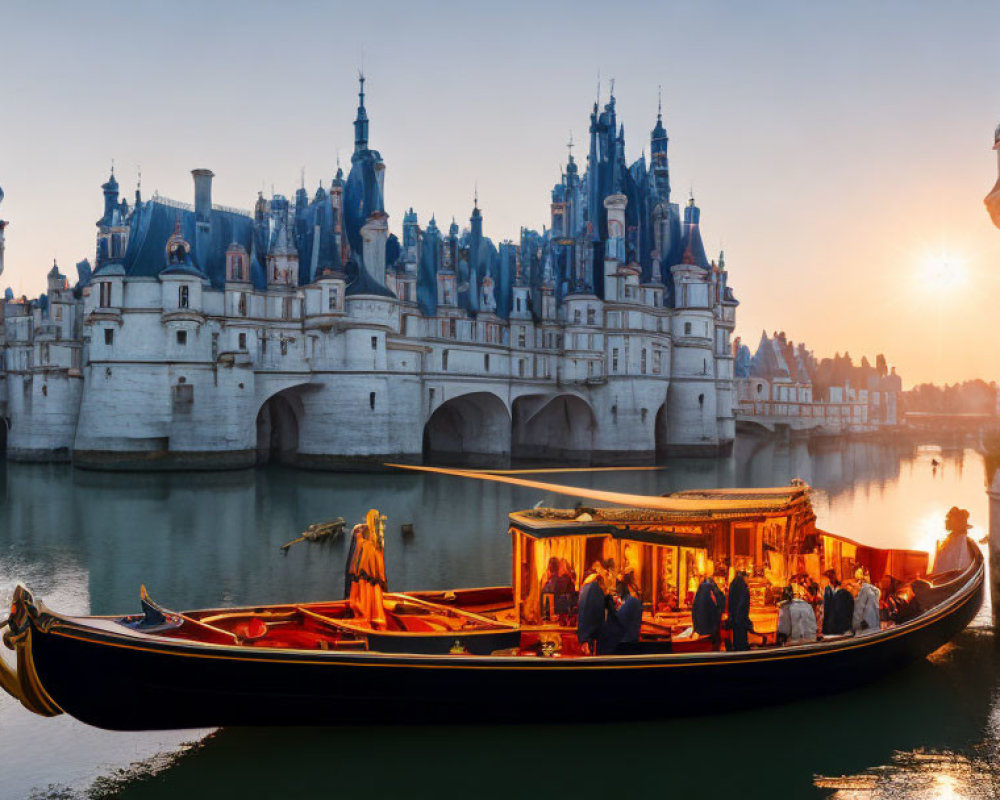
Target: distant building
(783,384)
(303,330)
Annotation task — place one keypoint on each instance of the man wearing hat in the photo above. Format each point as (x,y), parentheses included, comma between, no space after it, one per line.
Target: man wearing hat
(953,554)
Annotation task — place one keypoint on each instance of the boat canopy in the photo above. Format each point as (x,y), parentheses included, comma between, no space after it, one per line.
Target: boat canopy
(677,518)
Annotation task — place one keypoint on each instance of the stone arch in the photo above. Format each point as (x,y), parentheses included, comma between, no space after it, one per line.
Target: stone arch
(553,427)
(278,423)
(470,429)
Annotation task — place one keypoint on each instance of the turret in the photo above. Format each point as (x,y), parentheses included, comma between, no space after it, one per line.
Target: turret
(110,189)
(658,142)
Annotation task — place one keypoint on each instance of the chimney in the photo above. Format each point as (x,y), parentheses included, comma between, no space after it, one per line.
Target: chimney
(202,194)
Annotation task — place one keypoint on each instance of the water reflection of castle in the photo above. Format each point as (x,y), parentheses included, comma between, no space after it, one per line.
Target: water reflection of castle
(211,337)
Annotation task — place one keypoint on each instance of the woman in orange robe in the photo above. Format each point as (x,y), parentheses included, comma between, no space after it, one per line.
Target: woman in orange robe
(367,572)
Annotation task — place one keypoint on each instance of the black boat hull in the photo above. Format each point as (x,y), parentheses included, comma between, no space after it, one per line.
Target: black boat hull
(129,683)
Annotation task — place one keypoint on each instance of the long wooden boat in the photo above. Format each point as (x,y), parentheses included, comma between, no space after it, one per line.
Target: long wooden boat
(497,653)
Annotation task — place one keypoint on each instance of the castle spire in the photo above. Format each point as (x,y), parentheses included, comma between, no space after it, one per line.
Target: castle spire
(361,120)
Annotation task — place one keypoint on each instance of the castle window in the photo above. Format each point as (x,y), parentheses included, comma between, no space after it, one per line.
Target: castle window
(520,337)
(182,297)
(182,338)
(371,400)
(642,362)
(452,328)
(687,328)
(657,362)
(284,347)
(241,304)
(518,301)
(577,316)
(486,362)
(614,359)
(263,344)
(591,315)
(242,341)
(286,307)
(374,343)
(701,400)
(109,336)
(333,298)
(520,367)
(105,294)
(704,366)
(444,361)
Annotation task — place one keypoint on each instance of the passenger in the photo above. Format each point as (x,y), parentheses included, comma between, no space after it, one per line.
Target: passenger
(953,554)
(739,611)
(560,584)
(706,611)
(865,618)
(796,618)
(629,612)
(838,607)
(592,613)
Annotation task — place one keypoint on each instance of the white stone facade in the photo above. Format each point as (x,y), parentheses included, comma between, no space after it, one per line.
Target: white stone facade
(167,372)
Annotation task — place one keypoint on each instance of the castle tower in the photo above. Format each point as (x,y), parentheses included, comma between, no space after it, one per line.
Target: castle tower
(692,419)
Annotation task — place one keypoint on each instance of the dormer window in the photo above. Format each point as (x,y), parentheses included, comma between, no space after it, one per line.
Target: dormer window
(183,297)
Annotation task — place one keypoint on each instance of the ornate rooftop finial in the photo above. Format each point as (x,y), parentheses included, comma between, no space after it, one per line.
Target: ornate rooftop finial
(475,195)
(597,102)
(659,103)
(611,84)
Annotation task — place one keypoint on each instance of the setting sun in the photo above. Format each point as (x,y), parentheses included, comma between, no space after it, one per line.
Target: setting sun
(943,271)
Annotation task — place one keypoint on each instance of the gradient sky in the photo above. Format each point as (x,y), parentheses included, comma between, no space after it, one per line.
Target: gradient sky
(838,151)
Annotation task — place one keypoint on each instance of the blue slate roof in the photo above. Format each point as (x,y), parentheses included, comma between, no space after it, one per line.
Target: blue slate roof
(152,224)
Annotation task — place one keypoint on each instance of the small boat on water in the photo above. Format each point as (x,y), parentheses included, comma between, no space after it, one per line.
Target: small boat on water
(507,652)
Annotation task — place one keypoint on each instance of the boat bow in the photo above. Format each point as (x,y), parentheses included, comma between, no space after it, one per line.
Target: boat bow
(23,683)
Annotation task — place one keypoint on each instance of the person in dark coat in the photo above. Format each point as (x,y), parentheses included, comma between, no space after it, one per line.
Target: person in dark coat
(629,614)
(838,607)
(739,611)
(706,611)
(593,607)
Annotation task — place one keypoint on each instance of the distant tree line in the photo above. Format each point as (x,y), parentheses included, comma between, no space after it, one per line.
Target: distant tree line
(968,397)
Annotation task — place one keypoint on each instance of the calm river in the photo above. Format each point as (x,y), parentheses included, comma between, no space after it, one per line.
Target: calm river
(86,541)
